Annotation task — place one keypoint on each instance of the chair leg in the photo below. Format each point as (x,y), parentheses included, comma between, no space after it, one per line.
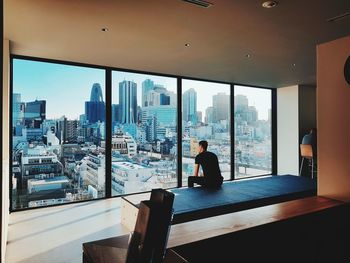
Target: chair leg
(301,166)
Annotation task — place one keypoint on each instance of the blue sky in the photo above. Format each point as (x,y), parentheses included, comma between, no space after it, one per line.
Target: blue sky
(65,88)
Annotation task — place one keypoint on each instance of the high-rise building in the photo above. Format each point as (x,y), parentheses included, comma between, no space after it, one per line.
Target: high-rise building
(153,98)
(67,130)
(151,129)
(189,108)
(95,108)
(130,128)
(124,144)
(128,101)
(17,109)
(199,116)
(93,172)
(147,85)
(96,93)
(221,105)
(209,115)
(251,115)
(82,119)
(35,113)
(173,98)
(166,115)
(158,97)
(139,114)
(241,103)
(160,88)
(115,113)
(38,161)
(164,99)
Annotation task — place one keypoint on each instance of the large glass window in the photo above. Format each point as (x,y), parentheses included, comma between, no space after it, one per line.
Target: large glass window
(144,132)
(58,133)
(205,116)
(252,123)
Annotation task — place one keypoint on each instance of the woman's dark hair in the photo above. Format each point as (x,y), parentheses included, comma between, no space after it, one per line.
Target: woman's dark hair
(204,144)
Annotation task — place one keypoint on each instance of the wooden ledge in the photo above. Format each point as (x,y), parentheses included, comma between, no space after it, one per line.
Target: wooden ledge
(211,227)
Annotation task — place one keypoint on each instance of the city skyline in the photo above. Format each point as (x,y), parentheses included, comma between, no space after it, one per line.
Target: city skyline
(59,160)
(77,81)
(257,97)
(119,76)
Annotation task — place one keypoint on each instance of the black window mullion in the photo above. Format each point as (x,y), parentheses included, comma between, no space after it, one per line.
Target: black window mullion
(108,132)
(274,130)
(179,132)
(232,130)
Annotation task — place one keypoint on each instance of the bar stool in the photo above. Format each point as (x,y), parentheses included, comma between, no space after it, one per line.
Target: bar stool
(306,153)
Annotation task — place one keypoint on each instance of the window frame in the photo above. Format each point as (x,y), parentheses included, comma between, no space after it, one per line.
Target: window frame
(108,123)
(273,132)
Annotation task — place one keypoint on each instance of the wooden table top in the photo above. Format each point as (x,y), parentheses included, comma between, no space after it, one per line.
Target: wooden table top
(181,234)
(224,224)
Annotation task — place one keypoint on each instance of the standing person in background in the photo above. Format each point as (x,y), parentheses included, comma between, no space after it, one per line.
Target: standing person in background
(311,139)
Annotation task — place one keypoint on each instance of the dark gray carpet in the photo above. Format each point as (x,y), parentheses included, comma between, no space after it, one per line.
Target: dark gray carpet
(199,202)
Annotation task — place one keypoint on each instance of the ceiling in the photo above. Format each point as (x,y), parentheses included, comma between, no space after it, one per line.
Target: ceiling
(150,35)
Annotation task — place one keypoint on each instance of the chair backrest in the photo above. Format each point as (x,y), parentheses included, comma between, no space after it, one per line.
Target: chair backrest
(149,239)
(306,151)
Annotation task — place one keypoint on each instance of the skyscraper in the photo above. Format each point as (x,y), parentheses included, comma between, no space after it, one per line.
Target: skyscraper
(147,85)
(241,103)
(189,108)
(221,105)
(95,108)
(199,116)
(35,113)
(151,129)
(153,98)
(164,99)
(96,93)
(115,113)
(128,101)
(209,115)
(67,130)
(17,109)
(166,114)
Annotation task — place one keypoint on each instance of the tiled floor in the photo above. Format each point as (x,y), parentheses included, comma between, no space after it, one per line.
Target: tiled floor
(56,234)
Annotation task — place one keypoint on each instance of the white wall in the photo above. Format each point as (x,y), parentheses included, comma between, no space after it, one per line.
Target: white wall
(288,130)
(333,108)
(5,145)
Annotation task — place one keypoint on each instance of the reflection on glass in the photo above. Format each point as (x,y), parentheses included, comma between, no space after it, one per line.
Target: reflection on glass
(205,116)
(58,133)
(252,122)
(144,124)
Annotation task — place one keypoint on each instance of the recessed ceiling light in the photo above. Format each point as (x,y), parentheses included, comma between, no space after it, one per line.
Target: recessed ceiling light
(104,29)
(269,4)
(187,44)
